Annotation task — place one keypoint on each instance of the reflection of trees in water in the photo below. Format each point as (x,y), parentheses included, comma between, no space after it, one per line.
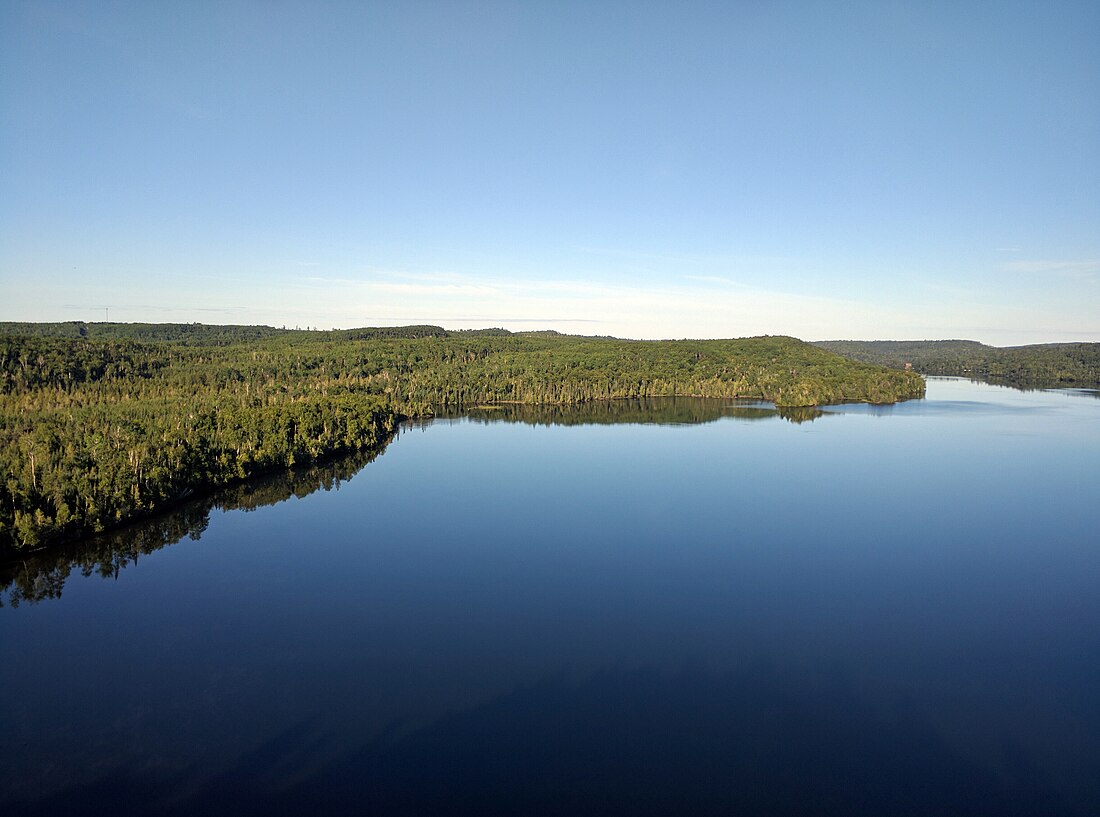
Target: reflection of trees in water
(649,411)
(42,575)
(799,414)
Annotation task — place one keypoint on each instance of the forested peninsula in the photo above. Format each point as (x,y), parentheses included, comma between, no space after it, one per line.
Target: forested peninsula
(1038,366)
(103,422)
(42,573)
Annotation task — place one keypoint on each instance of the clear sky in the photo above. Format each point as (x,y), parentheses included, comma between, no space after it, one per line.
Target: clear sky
(819,169)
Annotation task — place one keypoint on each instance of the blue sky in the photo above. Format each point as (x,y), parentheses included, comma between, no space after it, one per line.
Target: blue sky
(818,169)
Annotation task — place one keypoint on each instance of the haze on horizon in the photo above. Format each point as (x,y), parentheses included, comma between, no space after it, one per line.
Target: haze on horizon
(861,170)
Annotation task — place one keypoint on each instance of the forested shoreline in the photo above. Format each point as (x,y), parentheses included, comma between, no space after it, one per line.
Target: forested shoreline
(1038,366)
(41,574)
(103,423)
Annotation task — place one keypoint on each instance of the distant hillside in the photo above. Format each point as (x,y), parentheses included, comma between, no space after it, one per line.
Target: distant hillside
(202,334)
(101,423)
(1049,365)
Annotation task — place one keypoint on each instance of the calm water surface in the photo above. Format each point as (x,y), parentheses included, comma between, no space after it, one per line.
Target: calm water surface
(858,611)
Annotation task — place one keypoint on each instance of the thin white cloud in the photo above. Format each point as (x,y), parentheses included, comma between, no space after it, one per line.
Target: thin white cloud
(451,290)
(1079,269)
(624,310)
(684,306)
(716,279)
(328,279)
(497,320)
(687,258)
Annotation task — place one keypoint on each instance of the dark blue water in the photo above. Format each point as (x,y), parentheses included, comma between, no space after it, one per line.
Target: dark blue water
(863,611)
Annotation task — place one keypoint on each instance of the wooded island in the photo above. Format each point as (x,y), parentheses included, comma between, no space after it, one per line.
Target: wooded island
(104,422)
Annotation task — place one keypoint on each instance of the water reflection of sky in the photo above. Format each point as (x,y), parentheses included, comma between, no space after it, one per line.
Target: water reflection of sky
(949,395)
(896,612)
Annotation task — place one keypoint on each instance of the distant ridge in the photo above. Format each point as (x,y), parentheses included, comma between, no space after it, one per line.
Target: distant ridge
(202,334)
(104,423)
(1044,365)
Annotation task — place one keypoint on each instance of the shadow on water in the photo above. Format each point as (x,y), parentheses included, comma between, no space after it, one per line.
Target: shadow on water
(640,411)
(621,741)
(41,575)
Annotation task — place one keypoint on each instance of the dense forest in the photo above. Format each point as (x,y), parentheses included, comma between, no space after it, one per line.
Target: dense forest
(41,574)
(1041,366)
(101,423)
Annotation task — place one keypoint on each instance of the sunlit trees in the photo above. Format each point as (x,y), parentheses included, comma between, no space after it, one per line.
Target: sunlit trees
(100,423)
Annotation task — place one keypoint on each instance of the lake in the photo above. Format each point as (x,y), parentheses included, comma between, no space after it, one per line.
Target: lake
(674,606)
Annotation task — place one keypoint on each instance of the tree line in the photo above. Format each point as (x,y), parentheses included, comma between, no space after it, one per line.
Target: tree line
(102,423)
(1038,366)
(41,574)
